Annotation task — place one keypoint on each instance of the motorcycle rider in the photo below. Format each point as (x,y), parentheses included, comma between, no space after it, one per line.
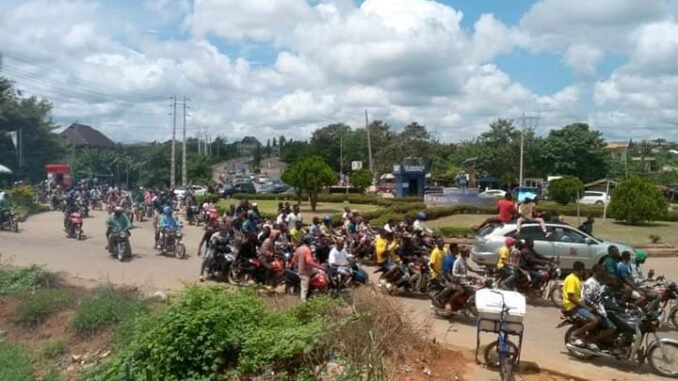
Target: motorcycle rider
(420,226)
(436,259)
(611,260)
(338,260)
(635,268)
(624,275)
(306,266)
(574,305)
(167,223)
(211,227)
(314,229)
(385,247)
(460,276)
(219,240)
(4,206)
(592,294)
(531,262)
(115,224)
(326,227)
(297,232)
(504,263)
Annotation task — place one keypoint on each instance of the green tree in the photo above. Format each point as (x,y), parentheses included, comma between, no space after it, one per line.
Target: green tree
(636,201)
(33,117)
(256,159)
(574,150)
(268,147)
(296,151)
(566,189)
(310,175)
(326,142)
(199,170)
(361,178)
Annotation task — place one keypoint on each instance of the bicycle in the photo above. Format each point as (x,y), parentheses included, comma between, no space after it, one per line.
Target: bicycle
(506,350)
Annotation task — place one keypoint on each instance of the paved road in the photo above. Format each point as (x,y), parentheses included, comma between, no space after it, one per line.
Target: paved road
(41,241)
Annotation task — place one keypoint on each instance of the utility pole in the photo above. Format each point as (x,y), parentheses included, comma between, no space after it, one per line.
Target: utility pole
(369,144)
(184,178)
(525,121)
(174,143)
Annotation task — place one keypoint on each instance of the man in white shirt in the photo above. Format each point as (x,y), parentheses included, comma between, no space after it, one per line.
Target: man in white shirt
(294,217)
(338,260)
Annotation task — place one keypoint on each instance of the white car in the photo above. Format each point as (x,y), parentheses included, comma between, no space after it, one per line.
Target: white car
(594,198)
(493,193)
(198,190)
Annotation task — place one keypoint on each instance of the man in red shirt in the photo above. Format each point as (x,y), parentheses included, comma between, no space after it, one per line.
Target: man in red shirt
(506,209)
(306,266)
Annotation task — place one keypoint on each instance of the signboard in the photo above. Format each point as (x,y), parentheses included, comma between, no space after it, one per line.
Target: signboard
(356,165)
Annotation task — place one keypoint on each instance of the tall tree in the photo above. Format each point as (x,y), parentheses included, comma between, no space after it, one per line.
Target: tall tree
(268,147)
(327,143)
(275,142)
(310,175)
(574,150)
(282,141)
(33,117)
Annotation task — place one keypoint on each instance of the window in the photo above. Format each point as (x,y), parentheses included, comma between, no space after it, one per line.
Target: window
(592,194)
(566,235)
(533,232)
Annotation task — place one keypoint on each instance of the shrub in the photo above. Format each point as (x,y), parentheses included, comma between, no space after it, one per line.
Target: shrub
(35,307)
(637,201)
(14,280)
(361,178)
(107,307)
(566,189)
(15,363)
(52,349)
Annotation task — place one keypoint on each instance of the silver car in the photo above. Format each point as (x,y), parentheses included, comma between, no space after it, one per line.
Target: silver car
(565,241)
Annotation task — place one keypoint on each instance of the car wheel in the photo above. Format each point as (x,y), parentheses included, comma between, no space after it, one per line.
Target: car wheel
(599,203)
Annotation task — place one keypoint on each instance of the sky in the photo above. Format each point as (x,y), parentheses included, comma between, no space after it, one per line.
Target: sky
(274,67)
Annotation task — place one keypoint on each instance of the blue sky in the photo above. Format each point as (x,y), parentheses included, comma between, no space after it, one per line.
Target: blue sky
(290,66)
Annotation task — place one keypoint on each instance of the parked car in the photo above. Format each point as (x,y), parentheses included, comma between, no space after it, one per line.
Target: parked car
(245,187)
(565,241)
(493,193)
(198,190)
(227,190)
(594,198)
(262,180)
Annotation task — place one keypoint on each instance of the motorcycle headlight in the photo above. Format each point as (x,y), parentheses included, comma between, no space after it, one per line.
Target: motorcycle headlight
(122,235)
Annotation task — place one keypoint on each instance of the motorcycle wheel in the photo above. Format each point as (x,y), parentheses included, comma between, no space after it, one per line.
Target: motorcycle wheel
(78,233)
(471,306)
(292,290)
(491,354)
(673,316)
(556,296)
(120,251)
(656,353)
(568,336)
(235,277)
(180,251)
(15,226)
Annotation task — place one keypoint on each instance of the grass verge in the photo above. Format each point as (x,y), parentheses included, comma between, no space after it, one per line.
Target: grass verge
(15,280)
(15,363)
(108,306)
(35,306)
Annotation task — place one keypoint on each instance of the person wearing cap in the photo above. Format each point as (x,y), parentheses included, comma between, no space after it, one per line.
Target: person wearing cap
(635,267)
(306,266)
(326,227)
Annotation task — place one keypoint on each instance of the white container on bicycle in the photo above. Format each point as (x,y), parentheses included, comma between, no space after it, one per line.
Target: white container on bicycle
(489,304)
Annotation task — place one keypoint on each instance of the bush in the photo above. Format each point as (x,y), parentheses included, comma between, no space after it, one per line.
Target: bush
(205,331)
(107,307)
(566,189)
(15,363)
(52,349)
(456,232)
(34,307)
(14,280)
(361,178)
(637,201)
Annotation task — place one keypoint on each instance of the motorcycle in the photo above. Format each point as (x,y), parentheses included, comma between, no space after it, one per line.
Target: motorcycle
(667,294)
(467,308)
(354,276)
(120,246)
(173,243)
(96,204)
(636,340)
(319,283)
(83,209)
(138,212)
(246,269)
(415,280)
(550,285)
(8,220)
(220,261)
(74,226)
(195,215)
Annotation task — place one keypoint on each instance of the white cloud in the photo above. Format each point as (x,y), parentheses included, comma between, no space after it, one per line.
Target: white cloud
(583,59)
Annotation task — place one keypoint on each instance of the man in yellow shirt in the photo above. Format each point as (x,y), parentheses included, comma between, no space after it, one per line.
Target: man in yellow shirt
(297,233)
(436,259)
(504,268)
(572,304)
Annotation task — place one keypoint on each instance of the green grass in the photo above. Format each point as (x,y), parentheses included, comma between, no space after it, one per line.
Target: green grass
(15,363)
(52,349)
(609,230)
(15,280)
(107,307)
(34,307)
(271,207)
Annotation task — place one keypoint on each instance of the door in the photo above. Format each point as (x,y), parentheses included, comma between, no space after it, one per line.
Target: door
(413,188)
(542,245)
(571,246)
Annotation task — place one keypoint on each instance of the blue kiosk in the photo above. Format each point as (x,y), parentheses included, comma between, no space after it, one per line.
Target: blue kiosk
(410,180)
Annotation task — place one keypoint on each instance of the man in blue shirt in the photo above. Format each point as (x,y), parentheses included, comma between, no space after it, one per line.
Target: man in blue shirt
(611,261)
(167,223)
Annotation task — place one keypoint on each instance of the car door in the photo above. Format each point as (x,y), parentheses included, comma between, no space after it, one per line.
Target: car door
(541,245)
(571,246)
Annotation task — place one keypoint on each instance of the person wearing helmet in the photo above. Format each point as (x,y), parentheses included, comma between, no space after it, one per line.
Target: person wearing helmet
(635,267)
(326,227)
(419,225)
(167,223)
(116,223)
(306,266)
